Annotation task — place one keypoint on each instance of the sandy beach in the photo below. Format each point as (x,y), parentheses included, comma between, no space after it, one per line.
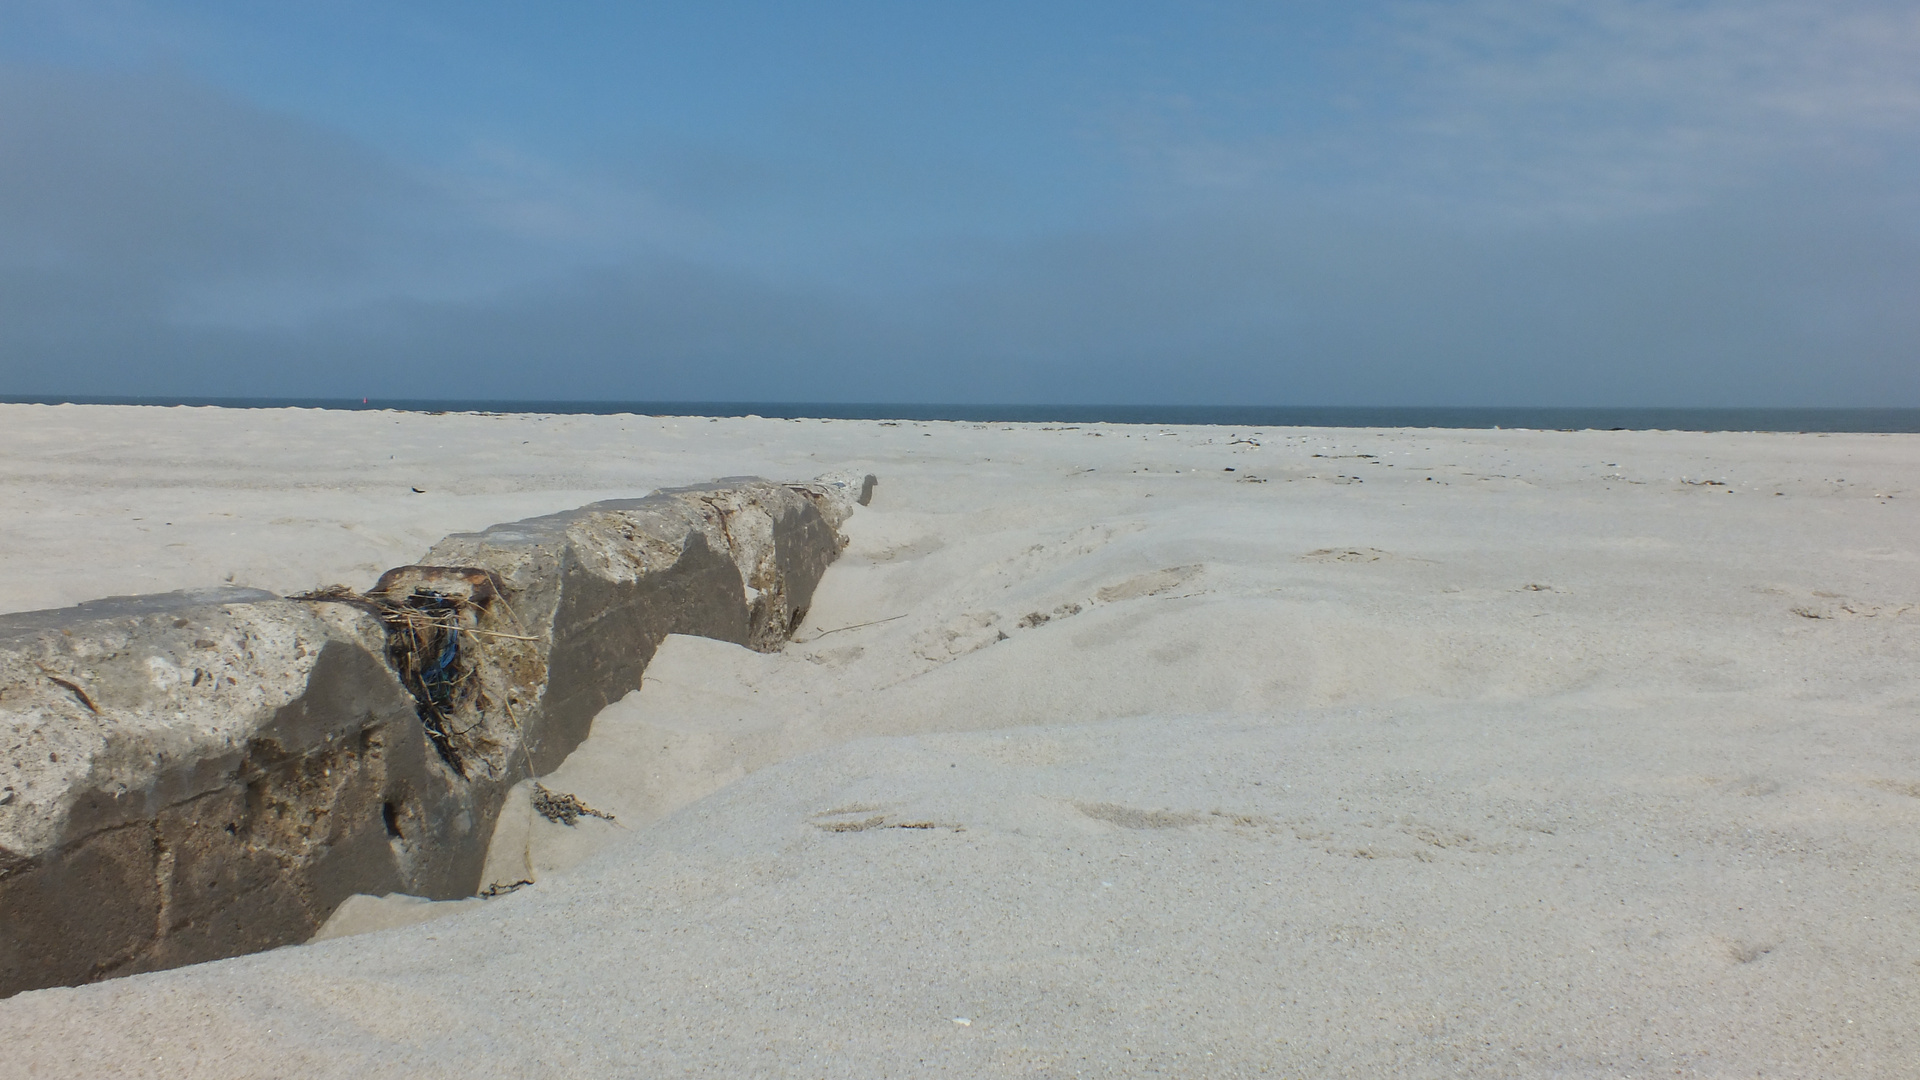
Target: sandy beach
(1103,750)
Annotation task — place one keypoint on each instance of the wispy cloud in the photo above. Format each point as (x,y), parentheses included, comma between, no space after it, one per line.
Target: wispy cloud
(1628,106)
(1525,108)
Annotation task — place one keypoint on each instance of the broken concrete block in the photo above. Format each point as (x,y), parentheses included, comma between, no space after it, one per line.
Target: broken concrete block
(187,776)
(202,774)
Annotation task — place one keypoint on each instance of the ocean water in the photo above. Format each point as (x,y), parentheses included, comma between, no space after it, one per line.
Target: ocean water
(1355,416)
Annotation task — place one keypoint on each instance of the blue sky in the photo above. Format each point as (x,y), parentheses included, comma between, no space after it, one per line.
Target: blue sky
(1614,202)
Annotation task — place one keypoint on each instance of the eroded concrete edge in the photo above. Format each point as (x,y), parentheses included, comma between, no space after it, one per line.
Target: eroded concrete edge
(189,776)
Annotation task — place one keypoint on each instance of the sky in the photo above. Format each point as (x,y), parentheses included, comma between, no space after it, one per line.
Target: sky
(1482,202)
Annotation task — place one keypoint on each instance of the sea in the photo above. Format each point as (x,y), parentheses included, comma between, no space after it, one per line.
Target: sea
(1547,418)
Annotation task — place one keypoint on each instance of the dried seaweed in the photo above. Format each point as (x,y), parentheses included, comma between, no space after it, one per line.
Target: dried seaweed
(433,642)
(562,808)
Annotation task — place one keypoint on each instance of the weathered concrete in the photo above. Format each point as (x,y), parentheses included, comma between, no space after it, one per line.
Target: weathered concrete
(202,774)
(194,775)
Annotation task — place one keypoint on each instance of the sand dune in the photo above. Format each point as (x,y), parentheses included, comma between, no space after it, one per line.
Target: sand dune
(1109,750)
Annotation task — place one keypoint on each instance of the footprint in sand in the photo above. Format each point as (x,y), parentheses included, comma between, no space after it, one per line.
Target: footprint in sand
(1367,554)
(1128,817)
(1152,583)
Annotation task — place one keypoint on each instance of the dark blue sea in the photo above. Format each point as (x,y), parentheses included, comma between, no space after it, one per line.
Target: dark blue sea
(1253,416)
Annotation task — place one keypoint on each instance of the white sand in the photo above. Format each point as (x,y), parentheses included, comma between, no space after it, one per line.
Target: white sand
(1554,764)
